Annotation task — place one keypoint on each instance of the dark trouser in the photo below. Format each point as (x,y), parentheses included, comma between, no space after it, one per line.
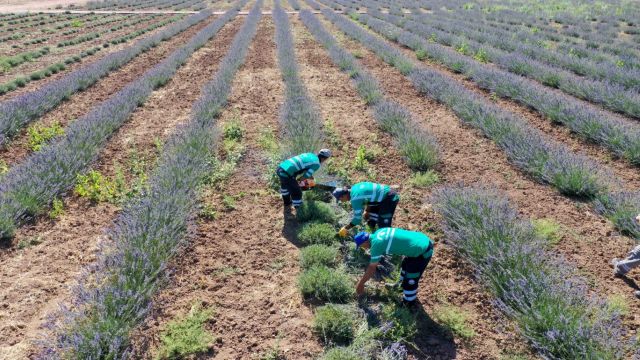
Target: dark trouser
(289,189)
(381,214)
(410,274)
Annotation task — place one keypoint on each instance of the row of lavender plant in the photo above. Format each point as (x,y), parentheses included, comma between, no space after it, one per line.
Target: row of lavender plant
(294,4)
(300,119)
(420,149)
(546,161)
(590,63)
(625,81)
(551,304)
(619,136)
(115,294)
(21,110)
(30,186)
(609,95)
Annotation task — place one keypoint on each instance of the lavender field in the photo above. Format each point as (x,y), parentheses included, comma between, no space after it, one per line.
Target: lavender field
(141,216)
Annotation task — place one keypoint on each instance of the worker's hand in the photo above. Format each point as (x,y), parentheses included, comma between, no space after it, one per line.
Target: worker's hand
(365,215)
(311,183)
(360,289)
(343,232)
(638,218)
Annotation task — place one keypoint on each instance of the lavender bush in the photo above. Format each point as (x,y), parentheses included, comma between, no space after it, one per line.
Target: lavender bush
(19,111)
(149,231)
(419,148)
(33,184)
(551,304)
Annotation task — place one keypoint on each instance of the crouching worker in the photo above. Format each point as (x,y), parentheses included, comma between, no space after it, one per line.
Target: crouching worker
(298,168)
(416,248)
(376,203)
(622,266)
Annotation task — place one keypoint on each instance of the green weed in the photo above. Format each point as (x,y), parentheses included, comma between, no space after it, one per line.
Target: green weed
(23,244)
(548,230)
(186,335)
(424,179)
(40,135)
(454,319)
(57,209)
(404,326)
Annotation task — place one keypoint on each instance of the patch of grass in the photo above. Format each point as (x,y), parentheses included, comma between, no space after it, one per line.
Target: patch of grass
(617,303)
(340,353)
(57,209)
(325,284)
(424,179)
(548,230)
(274,353)
(208,212)
(454,319)
(403,322)
(316,211)
(40,135)
(186,335)
(98,188)
(335,324)
(229,202)
(32,241)
(226,271)
(278,264)
(360,162)
(232,130)
(318,255)
(317,233)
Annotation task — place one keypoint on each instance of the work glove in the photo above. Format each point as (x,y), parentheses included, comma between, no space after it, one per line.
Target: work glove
(343,232)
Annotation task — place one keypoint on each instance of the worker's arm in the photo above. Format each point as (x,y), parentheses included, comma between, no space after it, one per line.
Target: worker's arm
(310,170)
(371,269)
(358,209)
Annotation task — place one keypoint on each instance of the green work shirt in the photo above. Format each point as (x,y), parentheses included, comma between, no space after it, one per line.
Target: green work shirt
(363,194)
(396,241)
(306,163)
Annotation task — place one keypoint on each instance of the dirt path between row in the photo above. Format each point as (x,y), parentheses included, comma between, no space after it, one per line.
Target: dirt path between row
(588,241)
(81,103)
(339,102)
(35,279)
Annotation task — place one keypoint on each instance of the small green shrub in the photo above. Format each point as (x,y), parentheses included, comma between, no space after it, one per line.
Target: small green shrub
(321,233)
(404,326)
(360,162)
(232,130)
(455,320)
(325,284)
(424,179)
(617,303)
(335,323)
(37,75)
(318,255)
(40,135)
(340,353)
(316,211)
(21,81)
(186,336)
(548,230)
(97,188)
(57,209)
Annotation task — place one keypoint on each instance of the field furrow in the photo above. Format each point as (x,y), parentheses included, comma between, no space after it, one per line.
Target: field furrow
(468,157)
(242,263)
(46,271)
(79,103)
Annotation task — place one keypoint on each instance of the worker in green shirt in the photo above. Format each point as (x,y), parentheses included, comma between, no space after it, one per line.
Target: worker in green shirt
(376,203)
(294,169)
(416,248)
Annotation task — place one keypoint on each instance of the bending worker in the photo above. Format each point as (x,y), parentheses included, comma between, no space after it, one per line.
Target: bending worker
(622,266)
(376,203)
(416,247)
(303,166)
